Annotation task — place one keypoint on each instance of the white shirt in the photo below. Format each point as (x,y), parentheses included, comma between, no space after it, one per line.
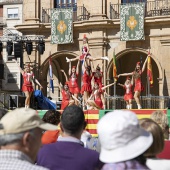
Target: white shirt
(158,164)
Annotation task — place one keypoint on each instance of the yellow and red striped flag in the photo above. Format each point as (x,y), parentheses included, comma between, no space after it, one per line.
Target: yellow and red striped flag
(149,70)
(114,67)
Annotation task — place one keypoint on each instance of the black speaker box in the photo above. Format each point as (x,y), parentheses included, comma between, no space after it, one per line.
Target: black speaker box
(18,50)
(1,71)
(16,101)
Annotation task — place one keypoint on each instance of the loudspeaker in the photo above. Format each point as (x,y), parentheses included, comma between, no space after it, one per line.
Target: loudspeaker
(168,104)
(41,47)
(1,71)
(16,101)
(9,47)
(18,50)
(29,47)
(58,104)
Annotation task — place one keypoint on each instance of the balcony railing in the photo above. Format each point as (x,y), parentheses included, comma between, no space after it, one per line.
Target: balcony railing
(152,102)
(79,13)
(152,8)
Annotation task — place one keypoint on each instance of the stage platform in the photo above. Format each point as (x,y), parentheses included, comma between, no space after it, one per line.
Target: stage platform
(93,116)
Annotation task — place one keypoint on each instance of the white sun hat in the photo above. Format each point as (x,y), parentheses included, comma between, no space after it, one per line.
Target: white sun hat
(121,137)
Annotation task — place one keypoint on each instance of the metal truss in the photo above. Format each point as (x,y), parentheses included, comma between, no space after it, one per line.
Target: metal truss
(33,38)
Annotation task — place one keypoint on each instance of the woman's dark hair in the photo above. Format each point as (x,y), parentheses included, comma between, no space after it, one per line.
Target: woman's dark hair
(52,116)
(141,159)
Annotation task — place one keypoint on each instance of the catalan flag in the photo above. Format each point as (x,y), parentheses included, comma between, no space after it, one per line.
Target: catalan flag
(51,75)
(114,67)
(149,70)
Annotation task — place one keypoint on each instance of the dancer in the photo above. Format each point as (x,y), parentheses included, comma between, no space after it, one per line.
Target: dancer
(27,87)
(95,100)
(85,53)
(73,79)
(97,74)
(67,98)
(137,78)
(86,79)
(128,93)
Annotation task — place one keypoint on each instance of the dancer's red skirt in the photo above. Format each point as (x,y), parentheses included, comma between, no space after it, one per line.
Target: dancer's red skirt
(27,88)
(128,96)
(99,102)
(74,90)
(86,87)
(64,104)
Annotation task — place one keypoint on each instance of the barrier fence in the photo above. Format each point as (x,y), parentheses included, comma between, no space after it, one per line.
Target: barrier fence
(117,102)
(148,102)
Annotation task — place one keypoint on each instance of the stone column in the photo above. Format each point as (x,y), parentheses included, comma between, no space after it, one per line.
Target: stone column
(32,8)
(96,8)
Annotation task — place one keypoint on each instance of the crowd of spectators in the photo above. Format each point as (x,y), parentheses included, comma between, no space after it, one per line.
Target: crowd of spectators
(60,141)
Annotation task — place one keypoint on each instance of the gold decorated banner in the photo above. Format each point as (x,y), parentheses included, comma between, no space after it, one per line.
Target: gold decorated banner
(62,26)
(132,21)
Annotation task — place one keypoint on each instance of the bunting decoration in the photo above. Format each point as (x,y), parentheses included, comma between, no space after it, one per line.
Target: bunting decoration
(114,67)
(149,70)
(132,21)
(62,26)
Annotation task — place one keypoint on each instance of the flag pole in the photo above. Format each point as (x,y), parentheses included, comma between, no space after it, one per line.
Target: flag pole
(148,76)
(115,79)
(114,75)
(49,75)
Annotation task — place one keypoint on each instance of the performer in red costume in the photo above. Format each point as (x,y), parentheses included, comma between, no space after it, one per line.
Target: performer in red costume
(73,80)
(85,53)
(86,79)
(128,92)
(67,98)
(98,75)
(27,87)
(137,78)
(95,100)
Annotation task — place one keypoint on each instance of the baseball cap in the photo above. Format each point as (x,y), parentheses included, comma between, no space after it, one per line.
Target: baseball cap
(22,119)
(121,137)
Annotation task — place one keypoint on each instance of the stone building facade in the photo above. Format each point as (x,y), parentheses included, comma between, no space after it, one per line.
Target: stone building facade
(99,20)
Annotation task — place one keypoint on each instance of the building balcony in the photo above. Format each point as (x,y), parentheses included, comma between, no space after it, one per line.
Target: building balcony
(152,9)
(79,13)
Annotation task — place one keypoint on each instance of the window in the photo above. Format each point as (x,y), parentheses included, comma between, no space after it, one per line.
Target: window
(12,77)
(12,13)
(132,1)
(66,4)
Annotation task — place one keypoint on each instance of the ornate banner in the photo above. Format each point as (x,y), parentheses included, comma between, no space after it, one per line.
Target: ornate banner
(132,21)
(61,26)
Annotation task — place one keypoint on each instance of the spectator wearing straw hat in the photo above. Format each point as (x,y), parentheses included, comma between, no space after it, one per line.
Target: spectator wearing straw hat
(20,139)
